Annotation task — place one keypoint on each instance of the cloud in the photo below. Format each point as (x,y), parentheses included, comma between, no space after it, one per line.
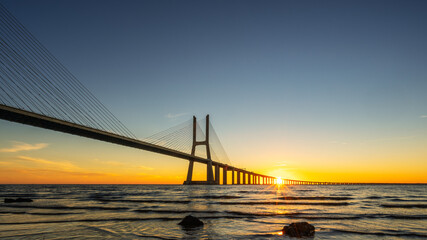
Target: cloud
(423,116)
(73,173)
(171,116)
(63,165)
(146,168)
(56,172)
(20,146)
(281,164)
(110,163)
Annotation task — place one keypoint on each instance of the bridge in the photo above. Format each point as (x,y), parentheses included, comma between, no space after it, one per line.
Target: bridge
(37,90)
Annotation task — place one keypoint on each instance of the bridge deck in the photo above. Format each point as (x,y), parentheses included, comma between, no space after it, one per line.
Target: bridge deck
(37,120)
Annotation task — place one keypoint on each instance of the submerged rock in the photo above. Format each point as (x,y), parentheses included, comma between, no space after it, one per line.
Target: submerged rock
(190,222)
(299,229)
(11,200)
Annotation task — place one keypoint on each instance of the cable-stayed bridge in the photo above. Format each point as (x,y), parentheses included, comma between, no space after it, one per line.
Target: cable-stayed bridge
(37,90)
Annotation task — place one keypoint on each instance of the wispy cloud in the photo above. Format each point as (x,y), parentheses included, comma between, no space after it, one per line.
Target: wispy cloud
(423,116)
(110,163)
(20,146)
(171,115)
(146,168)
(62,165)
(281,164)
(56,172)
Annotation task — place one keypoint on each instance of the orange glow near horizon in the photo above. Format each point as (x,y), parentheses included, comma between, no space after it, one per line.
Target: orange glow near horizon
(39,157)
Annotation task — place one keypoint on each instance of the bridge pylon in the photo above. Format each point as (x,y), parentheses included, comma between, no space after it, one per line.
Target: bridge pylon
(209,171)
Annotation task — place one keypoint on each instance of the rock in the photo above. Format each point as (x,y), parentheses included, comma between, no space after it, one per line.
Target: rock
(299,229)
(190,222)
(11,200)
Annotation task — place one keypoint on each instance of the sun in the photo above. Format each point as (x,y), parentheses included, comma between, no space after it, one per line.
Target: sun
(279,181)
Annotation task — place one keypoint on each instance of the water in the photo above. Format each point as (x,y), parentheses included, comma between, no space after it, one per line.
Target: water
(229,212)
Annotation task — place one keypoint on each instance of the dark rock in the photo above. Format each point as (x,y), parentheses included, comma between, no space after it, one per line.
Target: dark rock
(11,200)
(299,229)
(190,222)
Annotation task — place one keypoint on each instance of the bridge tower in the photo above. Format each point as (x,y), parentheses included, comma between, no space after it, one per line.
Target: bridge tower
(209,172)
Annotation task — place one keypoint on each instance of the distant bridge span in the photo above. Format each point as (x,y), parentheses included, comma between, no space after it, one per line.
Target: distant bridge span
(38,120)
(239,176)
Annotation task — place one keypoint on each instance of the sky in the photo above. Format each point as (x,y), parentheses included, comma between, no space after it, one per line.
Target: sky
(309,90)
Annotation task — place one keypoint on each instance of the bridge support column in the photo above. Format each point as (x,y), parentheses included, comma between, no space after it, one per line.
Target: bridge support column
(232,176)
(190,172)
(224,175)
(216,174)
(244,178)
(238,177)
(209,173)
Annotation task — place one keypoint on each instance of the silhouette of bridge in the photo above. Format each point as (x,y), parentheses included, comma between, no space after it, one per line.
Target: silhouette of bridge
(37,90)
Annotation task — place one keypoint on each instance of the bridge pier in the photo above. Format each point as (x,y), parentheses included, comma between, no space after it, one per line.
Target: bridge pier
(238,177)
(232,176)
(244,178)
(216,174)
(209,174)
(224,176)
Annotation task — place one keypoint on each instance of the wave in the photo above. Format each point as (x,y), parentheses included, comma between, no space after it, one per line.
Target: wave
(65,207)
(397,234)
(407,200)
(374,197)
(94,220)
(217,197)
(173,211)
(417,217)
(53,214)
(248,214)
(404,205)
(146,201)
(311,217)
(316,198)
(11,212)
(284,203)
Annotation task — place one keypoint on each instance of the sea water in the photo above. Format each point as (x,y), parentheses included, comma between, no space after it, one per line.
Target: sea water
(228,212)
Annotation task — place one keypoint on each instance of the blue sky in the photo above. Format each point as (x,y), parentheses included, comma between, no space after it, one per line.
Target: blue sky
(289,74)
